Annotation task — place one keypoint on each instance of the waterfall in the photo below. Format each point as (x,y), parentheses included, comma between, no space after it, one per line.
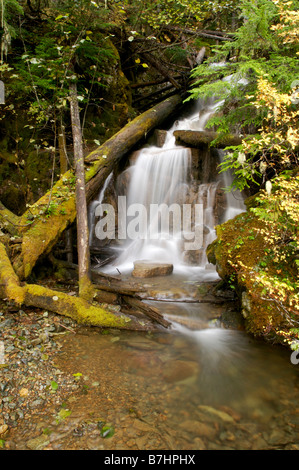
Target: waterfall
(159,178)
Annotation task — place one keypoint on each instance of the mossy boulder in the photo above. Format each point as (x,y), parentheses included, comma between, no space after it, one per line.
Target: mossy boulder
(238,254)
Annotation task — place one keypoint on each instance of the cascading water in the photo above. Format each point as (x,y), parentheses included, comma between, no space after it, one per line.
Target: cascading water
(162,176)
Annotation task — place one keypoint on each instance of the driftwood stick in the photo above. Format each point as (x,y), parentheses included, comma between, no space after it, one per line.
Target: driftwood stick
(149,311)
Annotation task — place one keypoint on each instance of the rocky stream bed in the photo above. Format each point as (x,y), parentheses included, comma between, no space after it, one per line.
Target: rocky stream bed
(70,387)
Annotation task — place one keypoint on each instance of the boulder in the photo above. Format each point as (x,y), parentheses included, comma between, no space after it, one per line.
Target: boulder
(146,268)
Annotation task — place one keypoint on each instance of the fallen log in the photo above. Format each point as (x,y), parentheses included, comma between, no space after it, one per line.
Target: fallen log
(198,139)
(10,286)
(218,35)
(78,309)
(122,288)
(46,226)
(153,82)
(161,69)
(147,310)
(9,220)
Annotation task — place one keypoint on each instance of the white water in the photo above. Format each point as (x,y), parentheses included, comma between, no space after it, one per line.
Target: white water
(163,176)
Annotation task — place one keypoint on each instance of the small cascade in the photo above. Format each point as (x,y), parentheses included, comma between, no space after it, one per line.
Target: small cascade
(160,178)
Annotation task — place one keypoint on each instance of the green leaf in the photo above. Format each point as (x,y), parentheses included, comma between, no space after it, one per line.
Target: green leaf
(77,376)
(107,431)
(63,414)
(54,385)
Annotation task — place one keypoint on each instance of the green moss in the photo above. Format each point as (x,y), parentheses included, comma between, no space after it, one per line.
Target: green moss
(86,289)
(238,252)
(9,281)
(76,308)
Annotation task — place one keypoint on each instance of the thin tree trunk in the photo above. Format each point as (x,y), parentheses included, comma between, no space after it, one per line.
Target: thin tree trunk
(62,150)
(63,169)
(85,286)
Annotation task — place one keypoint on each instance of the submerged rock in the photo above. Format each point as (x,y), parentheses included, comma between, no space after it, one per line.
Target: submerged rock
(180,370)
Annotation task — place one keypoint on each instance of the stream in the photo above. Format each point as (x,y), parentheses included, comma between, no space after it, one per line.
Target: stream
(203,384)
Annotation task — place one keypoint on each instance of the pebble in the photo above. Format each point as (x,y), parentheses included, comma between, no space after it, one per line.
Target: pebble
(28,338)
(38,443)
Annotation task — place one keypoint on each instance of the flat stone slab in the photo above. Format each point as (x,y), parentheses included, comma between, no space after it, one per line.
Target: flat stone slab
(144,268)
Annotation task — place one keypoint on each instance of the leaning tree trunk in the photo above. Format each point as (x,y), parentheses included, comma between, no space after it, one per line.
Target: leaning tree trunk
(41,230)
(85,286)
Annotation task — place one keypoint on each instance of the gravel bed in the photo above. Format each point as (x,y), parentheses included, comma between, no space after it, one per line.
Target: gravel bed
(30,382)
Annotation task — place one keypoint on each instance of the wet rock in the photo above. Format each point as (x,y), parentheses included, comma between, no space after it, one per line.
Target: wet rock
(146,268)
(216,414)
(199,429)
(199,444)
(180,370)
(159,137)
(142,426)
(7,323)
(38,443)
(3,431)
(277,438)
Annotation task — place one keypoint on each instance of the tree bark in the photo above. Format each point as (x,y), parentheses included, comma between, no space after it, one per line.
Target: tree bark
(63,169)
(62,150)
(40,236)
(85,286)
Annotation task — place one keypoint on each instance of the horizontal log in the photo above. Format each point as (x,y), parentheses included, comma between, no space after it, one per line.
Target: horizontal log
(197,139)
(81,311)
(147,310)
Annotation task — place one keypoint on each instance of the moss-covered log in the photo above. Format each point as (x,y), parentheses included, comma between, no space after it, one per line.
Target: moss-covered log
(61,303)
(56,210)
(9,220)
(77,308)
(10,286)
